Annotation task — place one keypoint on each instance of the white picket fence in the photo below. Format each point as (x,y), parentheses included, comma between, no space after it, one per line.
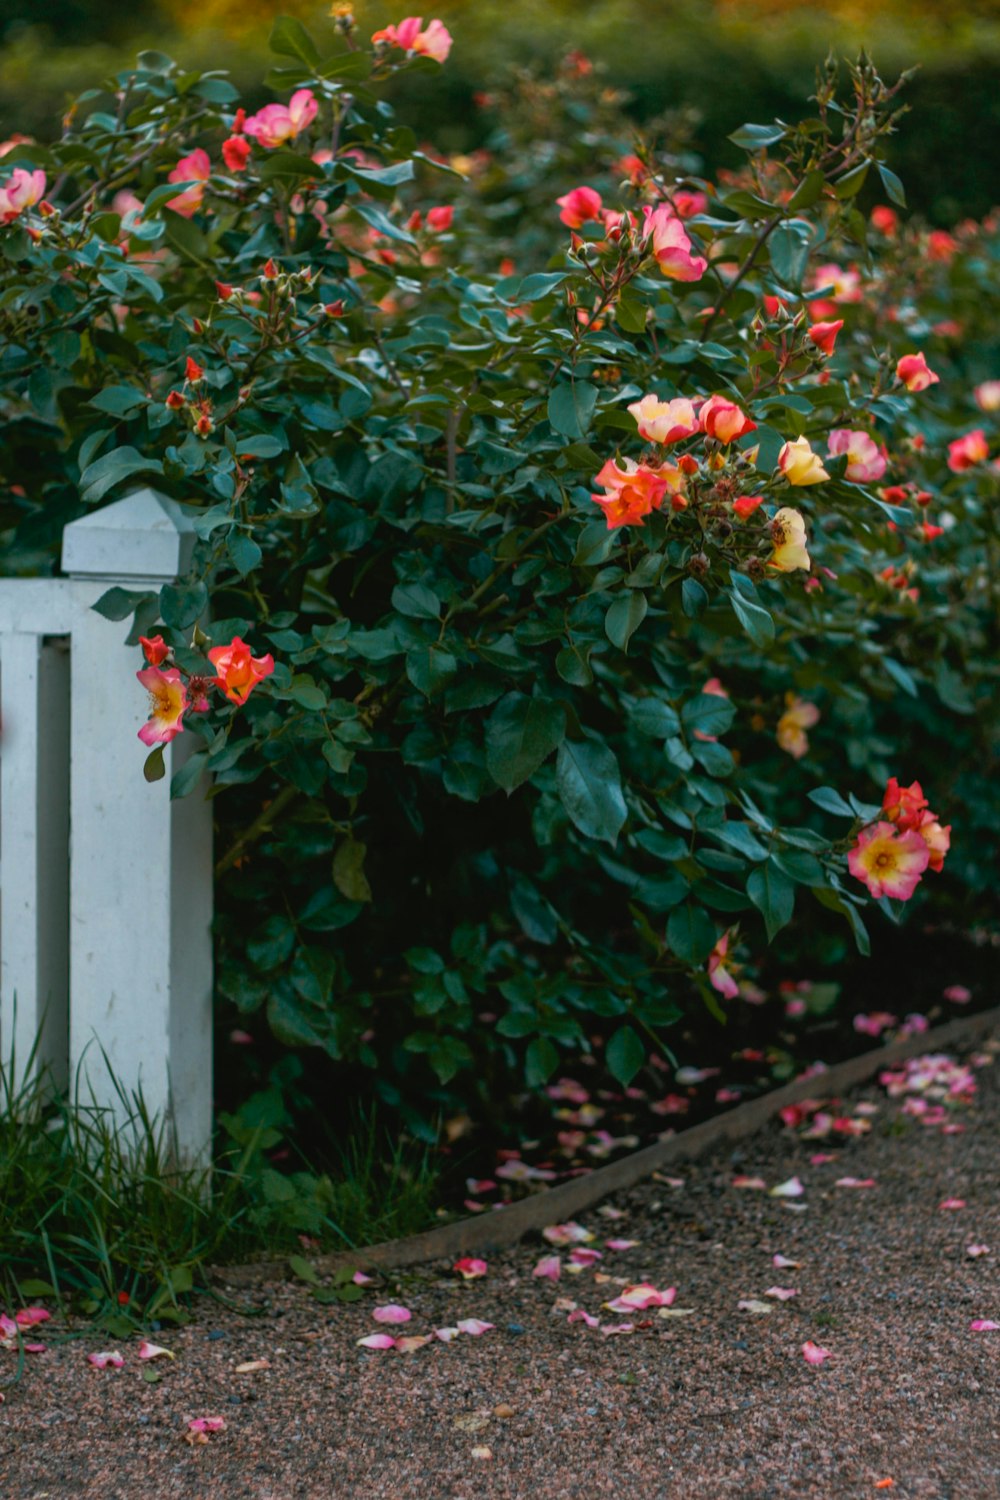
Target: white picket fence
(105,884)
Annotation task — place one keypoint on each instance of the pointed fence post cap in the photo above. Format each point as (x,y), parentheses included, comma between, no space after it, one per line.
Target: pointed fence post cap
(145,535)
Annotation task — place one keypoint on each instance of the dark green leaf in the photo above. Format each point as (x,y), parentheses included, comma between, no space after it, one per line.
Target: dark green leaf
(624,1055)
(521,734)
(588,780)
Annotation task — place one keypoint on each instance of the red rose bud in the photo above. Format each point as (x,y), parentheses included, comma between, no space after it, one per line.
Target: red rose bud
(414,222)
(154,648)
(175,401)
(239,120)
(193,371)
(203,426)
(224,290)
(270,271)
(236,153)
(334,309)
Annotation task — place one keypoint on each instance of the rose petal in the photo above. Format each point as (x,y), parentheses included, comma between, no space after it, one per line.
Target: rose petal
(412,1342)
(749,1182)
(469,1268)
(377,1341)
(473,1325)
(446,1334)
(154,1351)
(976,1250)
(392,1313)
(754,1305)
(781,1293)
(106,1357)
(855,1182)
(549,1266)
(579,1316)
(251,1366)
(983,1325)
(790,1189)
(782,1263)
(813,1354)
(567,1234)
(621,1244)
(951,1203)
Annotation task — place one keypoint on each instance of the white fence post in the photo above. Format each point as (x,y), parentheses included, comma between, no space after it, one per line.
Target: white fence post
(140,951)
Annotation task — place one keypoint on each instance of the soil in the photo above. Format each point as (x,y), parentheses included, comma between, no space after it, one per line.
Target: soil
(719,1403)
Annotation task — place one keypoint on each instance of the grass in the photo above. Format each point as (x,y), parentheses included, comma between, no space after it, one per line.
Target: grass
(98,1217)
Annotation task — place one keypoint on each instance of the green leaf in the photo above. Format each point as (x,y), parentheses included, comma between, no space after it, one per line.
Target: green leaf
(808,191)
(153,767)
(349,871)
(186,779)
(540,1061)
(416,601)
(289,38)
(773,894)
(181,604)
(244,553)
(892,184)
(756,137)
(901,676)
(709,713)
(521,734)
(690,934)
(119,400)
(754,618)
(571,408)
(117,603)
(112,469)
(302,1270)
(739,836)
(539,284)
(789,249)
(694,598)
(588,780)
(830,801)
(260,445)
(624,618)
(624,1055)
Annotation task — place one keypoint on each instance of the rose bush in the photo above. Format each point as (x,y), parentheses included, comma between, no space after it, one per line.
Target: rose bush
(546,499)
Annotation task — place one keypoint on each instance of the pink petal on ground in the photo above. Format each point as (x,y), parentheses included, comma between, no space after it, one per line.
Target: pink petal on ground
(34,1348)
(549,1266)
(207,1424)
(782,1293)
(473,1325)
(446,1334)
(790,1189)
(609,1329)
(977,1250)
(641,1295)
(621,1244)
(392,1313)
(782,1263)
(30,1317)
(567,1234)
(951,1203)
(412,1342)
(607,1212)
(821,1158)
(107,1357)
(470,1268)
(153,1351)
(579,1316)
(749,1182)
(813,1354)
(377,1341)
(855,1182)
(580,1255)
(360,1279)
(983,1325)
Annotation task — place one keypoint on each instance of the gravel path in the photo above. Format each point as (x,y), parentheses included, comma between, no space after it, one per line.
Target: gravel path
(716,1404)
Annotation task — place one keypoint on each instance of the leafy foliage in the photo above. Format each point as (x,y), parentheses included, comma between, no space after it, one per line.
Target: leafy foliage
(514,775)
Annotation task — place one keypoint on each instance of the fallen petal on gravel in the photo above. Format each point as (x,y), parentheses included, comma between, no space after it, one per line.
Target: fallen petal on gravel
(813,1354)
(106,1358)
(549,1266)
(469,1268)
(782,1263)
(977,1250)
(781,1293)
(153,1351)
(950,1203)
(790,1189)
(392,1313)
(377,1341)
(983,1325)
(473,1325)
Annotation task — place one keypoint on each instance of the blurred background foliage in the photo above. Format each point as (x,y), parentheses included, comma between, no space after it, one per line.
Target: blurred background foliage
(725,61)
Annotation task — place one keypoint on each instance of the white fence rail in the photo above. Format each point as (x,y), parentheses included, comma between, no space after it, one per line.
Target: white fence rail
(105,884)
